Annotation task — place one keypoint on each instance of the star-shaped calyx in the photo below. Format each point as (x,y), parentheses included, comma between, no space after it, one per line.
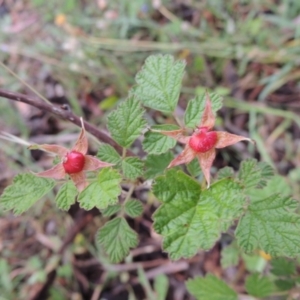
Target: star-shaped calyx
(73,162)
(203,142)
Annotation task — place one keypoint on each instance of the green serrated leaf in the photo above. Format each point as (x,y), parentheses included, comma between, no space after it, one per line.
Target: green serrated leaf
(132,167)
(283,267)
(126,122)
(66,196)
(25,190)
(133,208)
(189,219)
(230,256)
(270,225)
(194,168)
(108,154)
(111,210)
(117,238)
(249,173)
(276,185)
(267,172)
(103,192)
(157,143)
(210,288)
(195,108)
(159,82)
(156,164)
(259,286)
(225,172)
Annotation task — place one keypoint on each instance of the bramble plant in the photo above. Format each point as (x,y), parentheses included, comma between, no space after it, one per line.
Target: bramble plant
(252,204)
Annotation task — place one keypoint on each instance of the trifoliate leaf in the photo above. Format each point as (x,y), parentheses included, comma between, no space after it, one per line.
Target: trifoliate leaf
(283,267)
(111,210)
(156,164)
(157,143)
(195,108)
(108,154)
(225,172)
(25,190)
(126,122)
(117,238)
(210,288)
(189,219)
(230,256)
(133,208)
(103,192)
(159,82)
(259,286)
(270,225)
(132,167)
(194,168)
(66,195)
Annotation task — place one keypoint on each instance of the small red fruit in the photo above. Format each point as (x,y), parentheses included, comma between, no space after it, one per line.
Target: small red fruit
(73,162)
(202,141)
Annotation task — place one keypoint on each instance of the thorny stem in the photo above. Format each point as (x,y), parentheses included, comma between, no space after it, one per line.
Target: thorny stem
(65,113)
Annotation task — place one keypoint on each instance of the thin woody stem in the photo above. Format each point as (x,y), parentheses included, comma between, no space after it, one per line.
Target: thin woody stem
(65,113)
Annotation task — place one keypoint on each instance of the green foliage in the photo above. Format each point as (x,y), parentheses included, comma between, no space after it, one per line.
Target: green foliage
(116,237)
(210,288)
(133,208)
(195,108)
(253,174)
(156,164)
(230,256)
(66,196)
(225,172)
(108,154)
(283,267)
(259,286)
(103,192)
(270,225)
(111,210)
(25,190)
(132,167)
(159,82)
(191,219)
(161,285)
(126,122)
(157,143)
(194,168)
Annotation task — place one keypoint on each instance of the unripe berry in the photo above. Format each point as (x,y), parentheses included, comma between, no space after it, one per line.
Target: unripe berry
(73,162)
(202,141)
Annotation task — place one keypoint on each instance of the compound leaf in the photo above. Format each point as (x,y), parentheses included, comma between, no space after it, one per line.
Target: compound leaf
(116,237)
(126,122)
(159,82)
(25,190)
(103,192)
(195,108)
(66,195)
(210,288)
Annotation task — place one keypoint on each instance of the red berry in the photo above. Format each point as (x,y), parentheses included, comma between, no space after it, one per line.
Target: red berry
(73,162)
(202,141)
